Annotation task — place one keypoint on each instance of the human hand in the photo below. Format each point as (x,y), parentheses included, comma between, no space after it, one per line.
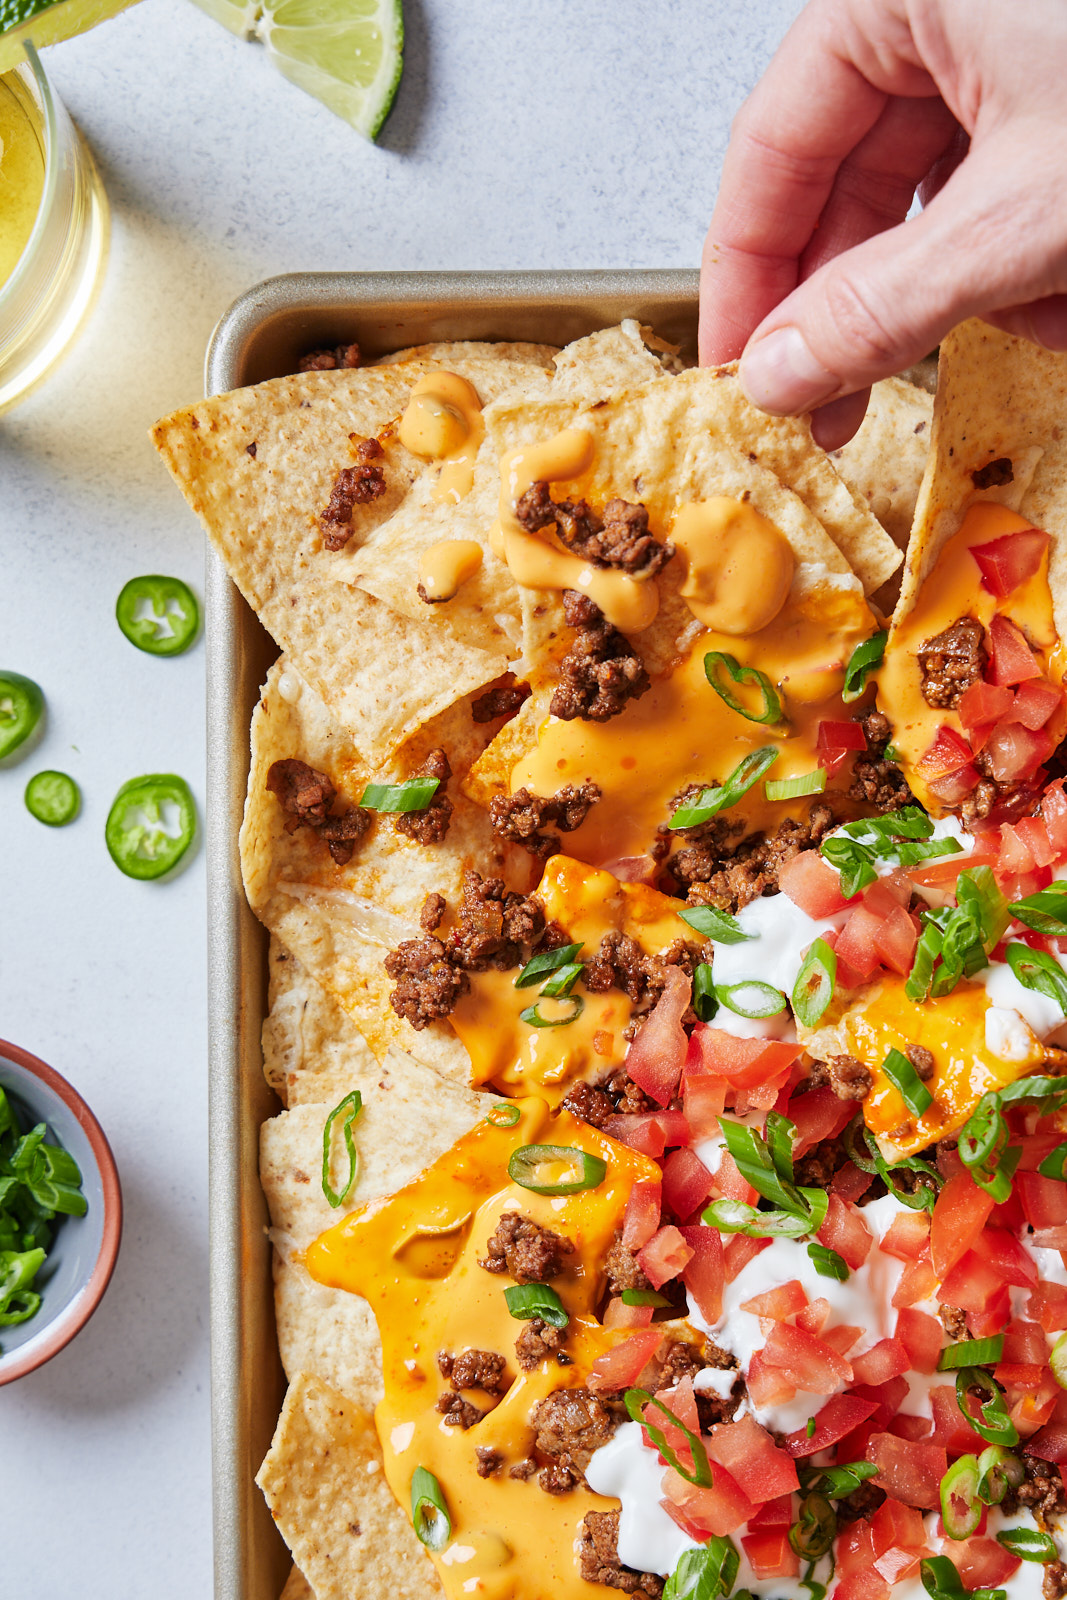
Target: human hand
(809,266)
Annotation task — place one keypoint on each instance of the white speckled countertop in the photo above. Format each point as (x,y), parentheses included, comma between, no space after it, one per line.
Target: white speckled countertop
(556,134)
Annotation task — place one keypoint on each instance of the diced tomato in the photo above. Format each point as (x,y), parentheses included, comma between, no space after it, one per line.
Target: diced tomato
(1025,1340)
(895,940)
(812,884)
(949,752)
(621,1367)
(907,1236)
(770,1554)
(641,1217)
(720,1510)
(897,1526)
(703,1101)
(1034,834)
(845,1231)
(1035,703)
(953,787)
(767,1385)
(814,1317)
(807,1362)
(1006,1255)
(704,1274)
(917,1282)
(778,1304)
(984,703)
(972,1283)
(1015,752)
(841,1337)
(951,1430)
(987,1322)
(664,1256)
(686,1183)
(1048,1304)
(1054,813)
(834,742)
(739,1251)
(776,1513)
(729,1184)
(1044,1199)
(849,1182)
(855,1547)
(908,1470)
(619,1315)
(960,1213)
(1050,1444)
(889,1397)
(744,1063)
(1011,659)
(682,1402)
(983,1563)
(856,942)
(654,1060)
(943,872)
(884,1360)
(838,1417)
(922,1337)
(908,1427)
(751,1456)
(1010,560)
(649,1132)
(817,1115)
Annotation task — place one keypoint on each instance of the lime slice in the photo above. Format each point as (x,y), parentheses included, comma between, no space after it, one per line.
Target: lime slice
(347,53)
(40,22)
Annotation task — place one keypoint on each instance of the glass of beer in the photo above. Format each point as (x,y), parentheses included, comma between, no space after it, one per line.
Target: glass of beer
(53,229)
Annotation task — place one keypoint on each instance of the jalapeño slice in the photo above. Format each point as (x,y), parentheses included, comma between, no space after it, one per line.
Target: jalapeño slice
(556,1169)
(158,614)
(53,798)
(150,825)
(21,705)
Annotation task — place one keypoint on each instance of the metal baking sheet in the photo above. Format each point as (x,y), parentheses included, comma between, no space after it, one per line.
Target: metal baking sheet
(263,335)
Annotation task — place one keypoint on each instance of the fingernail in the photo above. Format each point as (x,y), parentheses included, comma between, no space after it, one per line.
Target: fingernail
(779,374)
(1048,322)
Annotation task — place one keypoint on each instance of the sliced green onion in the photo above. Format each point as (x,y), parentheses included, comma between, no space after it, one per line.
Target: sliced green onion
(414,794)
(927,953)
(502,1116)
(836,1483)
(861,663)
(1045,912)
(810,1427)
(756,1165)
(992,1421)
(18,1301)
(972,1353)
(793,788)
(737,1216)
(941,1578)
(636,1401)
(998,1470)
(828,1264)
(706,1572)
(1028,1543)
(528,1300)
(429,1513)
(560,986)
(814,988)
(718,662)
(1055,1163)
(910,852)
(644,1297)
(545,962)
(961,1509)
(924,1195)
(751,998)
(904,1078)
(528,1165)
(704,1002)
(1058,1360)
(1037,970)
(978,892)
(715,924)
(813,1533)
(854,862)
(712,800)
(348,1110)
(532,1014)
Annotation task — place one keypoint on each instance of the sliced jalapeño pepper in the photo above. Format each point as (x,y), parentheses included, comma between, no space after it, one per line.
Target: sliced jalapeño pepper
(21,705)
(53,798)
(158,614)
(150,825)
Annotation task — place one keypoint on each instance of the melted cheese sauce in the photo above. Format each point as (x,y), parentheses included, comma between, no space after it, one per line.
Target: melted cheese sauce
(738,566)
(445,566)
(443,422)
(953,590)
(682,732)
(415,1258)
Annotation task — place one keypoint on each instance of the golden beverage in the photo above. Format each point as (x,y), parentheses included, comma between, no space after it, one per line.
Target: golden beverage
(22,167)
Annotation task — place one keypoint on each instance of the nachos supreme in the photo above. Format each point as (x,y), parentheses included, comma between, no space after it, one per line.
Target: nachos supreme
(667,902)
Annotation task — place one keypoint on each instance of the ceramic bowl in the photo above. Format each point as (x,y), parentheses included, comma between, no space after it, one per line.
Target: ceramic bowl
(80,1262)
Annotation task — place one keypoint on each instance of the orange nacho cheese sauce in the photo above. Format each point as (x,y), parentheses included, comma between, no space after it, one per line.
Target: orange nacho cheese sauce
(509,1053)
(415,1256)
(953,590)
(952,1028)
(681,732)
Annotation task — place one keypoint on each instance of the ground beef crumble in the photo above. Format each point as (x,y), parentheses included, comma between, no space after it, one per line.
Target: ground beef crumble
(1041,1491)
(601,671)
(951,661)
(427,983)
(598,1557)
(353,486)
(307,797)
(876,781)
(526,1250)
(571,1425)
(433,909)
(620,963)
(489,1461)
(712,870)
(995,474)
(953,1320)
(502,699)
(342,355)
(622,1271)
(537,1341)
(430,825)
(1054,1580)
(620,538)
(521,818)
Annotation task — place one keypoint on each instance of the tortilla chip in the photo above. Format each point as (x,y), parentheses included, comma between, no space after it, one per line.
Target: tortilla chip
(312,1050)
(883,464)
(611,358)
(997,396)
(448,350)
(297,1587)
(324,1483)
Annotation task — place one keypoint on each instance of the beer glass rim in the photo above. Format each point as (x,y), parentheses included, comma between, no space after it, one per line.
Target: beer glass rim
(32,72)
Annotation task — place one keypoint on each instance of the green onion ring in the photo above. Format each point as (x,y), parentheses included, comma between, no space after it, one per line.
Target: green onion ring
(429,1513)
(814,988)
(711,801)
(635,1401)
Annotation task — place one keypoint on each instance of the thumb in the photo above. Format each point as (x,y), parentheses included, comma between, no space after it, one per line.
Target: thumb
(987,243)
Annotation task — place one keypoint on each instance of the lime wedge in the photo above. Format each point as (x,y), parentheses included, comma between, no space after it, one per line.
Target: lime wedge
(347,53)
(42,22)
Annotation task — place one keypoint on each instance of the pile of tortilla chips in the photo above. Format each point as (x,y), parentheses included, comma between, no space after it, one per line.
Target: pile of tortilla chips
(369,679)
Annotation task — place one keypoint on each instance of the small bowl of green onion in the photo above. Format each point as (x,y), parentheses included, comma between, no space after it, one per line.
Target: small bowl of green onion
(60,1212)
